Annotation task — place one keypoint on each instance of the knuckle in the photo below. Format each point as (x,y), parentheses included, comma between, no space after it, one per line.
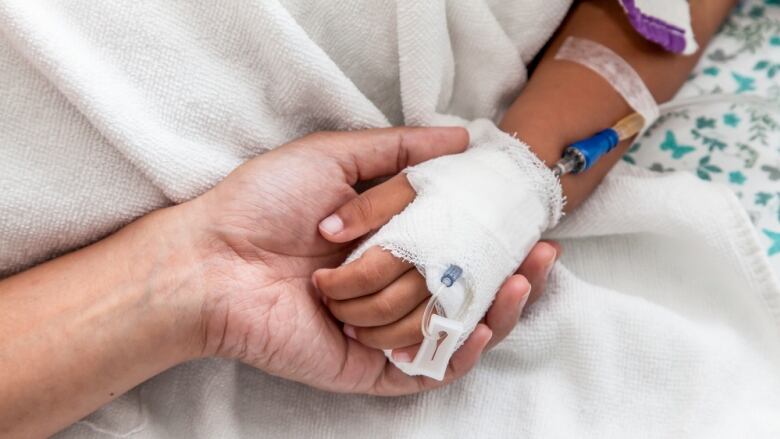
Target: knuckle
(377,337)
(316,137)
(414,332)
(368,275)
(336,308)
(382,309)
(330,283)
(362,209)
(418,283)
(402,157)
(367,336)
(325,282)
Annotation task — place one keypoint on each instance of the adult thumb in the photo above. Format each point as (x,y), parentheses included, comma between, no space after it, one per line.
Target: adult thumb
(380,152)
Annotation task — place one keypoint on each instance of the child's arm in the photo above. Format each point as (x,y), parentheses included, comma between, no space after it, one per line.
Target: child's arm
(381,299)
(564,102)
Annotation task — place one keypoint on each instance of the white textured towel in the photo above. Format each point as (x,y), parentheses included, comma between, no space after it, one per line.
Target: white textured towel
(661,320)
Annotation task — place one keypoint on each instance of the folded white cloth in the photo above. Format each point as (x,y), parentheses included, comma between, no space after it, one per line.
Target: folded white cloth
(112,109)
(661,321)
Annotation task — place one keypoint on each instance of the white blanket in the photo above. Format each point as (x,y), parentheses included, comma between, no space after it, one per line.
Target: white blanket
(659,323)
(661,320)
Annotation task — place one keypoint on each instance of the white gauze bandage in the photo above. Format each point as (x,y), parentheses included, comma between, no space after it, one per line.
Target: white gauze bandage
(482,211)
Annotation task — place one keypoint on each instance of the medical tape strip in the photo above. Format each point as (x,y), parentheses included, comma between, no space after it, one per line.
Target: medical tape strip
(615,70)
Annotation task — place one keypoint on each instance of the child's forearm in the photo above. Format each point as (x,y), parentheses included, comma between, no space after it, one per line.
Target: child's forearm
(564,102)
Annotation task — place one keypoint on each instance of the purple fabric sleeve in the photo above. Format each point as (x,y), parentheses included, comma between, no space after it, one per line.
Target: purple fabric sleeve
(656,29)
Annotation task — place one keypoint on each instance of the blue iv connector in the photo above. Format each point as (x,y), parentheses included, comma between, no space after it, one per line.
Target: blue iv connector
(580,156)
(451,275)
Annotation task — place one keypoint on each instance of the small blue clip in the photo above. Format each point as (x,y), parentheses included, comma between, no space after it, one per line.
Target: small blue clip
(451,275)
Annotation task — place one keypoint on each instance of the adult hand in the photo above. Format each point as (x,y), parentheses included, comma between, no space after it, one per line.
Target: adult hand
(260,239)
(225,274)
(381,298)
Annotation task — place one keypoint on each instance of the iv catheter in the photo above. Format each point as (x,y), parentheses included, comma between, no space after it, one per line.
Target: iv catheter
(441,333)
(577,158)
(581,155)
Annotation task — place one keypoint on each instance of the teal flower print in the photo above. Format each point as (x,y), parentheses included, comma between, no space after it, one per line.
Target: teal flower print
(761,65)
(628,158)
(705,168)
(657,167)
(731,119)
(712,71)
(773,173)
(737,177)
(705,122)
(770,69)
(762,198)
(711,143)
(756,12)
(775,237)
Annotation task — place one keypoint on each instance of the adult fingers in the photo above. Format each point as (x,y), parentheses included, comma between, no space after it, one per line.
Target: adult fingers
(368,154)
(537,265)
(506,309)
(368,211)
(386,306)
(520,289)
(369,273)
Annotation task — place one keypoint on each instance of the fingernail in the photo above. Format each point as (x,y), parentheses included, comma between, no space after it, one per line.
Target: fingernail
(551,263)
(332,224)
(525,298)
(490,335)
(402,357)
(350,331)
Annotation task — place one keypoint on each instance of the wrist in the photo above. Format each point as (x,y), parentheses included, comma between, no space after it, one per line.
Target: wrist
(547,142)
(169,268)
(103,318)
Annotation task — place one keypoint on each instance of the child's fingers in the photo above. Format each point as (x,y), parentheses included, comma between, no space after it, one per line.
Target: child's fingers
(405,354)
(404,332)
(387,306)
(368,211)
(371,272)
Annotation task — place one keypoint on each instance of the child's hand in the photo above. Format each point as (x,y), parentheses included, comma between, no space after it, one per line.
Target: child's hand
(381,298)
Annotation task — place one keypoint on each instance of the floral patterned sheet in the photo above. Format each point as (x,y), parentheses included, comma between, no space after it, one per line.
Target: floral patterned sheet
(734,144)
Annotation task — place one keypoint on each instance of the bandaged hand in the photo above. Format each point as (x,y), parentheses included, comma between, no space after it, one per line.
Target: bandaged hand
(381,297)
